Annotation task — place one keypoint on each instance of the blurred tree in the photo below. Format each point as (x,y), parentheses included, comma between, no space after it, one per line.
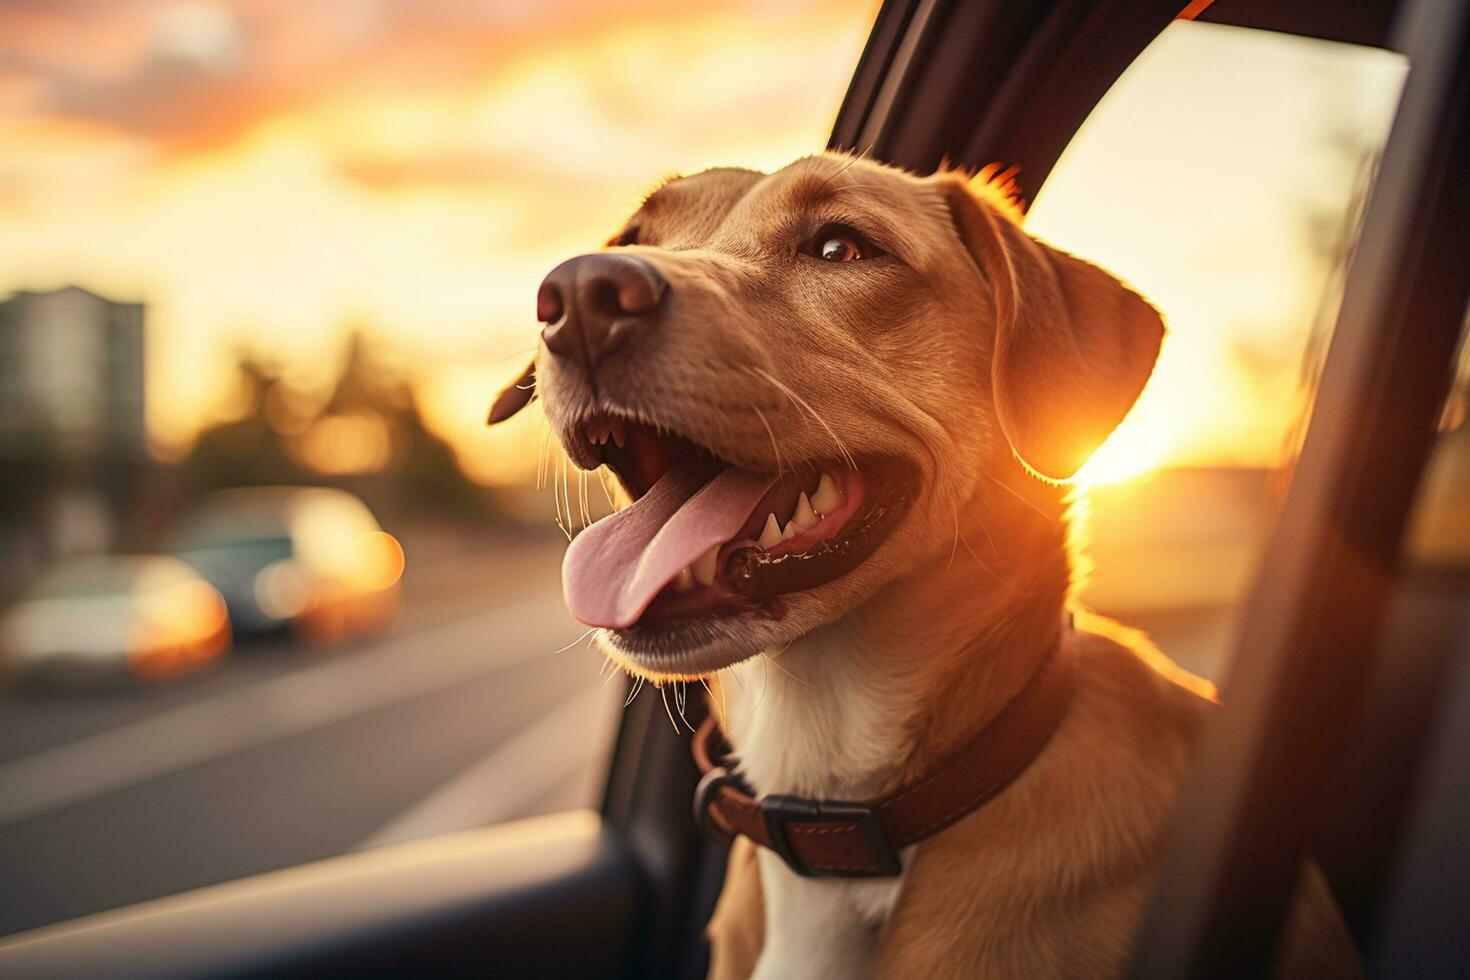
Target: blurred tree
(366,435)
(245,450)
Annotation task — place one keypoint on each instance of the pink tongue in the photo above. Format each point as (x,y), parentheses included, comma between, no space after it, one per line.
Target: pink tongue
(613,570)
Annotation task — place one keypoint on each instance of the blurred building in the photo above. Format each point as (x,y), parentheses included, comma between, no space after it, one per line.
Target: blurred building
(71,376)
(73,445)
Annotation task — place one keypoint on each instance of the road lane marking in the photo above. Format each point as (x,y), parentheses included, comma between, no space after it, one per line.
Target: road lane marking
(532,762)
(399,669)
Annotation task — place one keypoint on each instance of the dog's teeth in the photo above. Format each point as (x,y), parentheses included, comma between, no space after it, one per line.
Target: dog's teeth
(804,517)
(771,533)
(791,531)
(617,432)
(704,566)
(684,581)
(826,499)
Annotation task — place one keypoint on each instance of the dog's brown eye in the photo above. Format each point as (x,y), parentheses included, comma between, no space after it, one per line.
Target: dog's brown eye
(840,249)
(629,236)
(839,243)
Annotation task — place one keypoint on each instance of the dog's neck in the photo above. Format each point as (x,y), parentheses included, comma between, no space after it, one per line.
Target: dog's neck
(852,709)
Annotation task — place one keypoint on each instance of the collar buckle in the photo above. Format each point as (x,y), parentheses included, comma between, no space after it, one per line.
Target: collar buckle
(704,799)
(779,811)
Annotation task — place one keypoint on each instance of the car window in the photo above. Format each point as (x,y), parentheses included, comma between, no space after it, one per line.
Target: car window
(1223,176)
(242,548)
(263,269)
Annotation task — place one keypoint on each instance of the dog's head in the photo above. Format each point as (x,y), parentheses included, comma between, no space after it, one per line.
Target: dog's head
(799,378)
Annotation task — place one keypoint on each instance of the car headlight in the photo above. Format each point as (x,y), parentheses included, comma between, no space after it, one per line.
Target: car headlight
(281,590)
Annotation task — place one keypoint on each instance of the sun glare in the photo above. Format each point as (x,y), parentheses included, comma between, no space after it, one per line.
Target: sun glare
(1130,451)
(1165,187)
(427,204)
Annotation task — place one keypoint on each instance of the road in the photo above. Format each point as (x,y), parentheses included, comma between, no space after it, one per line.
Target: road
(464,716)
(471,712)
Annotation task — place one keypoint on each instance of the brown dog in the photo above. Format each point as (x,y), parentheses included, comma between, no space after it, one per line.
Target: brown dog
(841,397)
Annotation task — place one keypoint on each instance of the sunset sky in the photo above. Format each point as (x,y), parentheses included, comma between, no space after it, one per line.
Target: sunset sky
(270,174)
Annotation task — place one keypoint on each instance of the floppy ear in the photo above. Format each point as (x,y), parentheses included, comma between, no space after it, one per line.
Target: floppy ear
(1073,346)
(515,397)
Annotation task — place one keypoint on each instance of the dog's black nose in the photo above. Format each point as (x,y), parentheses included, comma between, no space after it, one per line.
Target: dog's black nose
(593,305)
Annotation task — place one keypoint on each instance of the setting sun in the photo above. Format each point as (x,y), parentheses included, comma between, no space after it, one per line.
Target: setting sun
(1165,186)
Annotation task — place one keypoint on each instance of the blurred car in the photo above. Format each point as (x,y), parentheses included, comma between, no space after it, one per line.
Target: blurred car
(309,560)
(114,617)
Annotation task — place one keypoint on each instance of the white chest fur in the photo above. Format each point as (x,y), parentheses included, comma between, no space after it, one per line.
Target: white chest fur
(817,720)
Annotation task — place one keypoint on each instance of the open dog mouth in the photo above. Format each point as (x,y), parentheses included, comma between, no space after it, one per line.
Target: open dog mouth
(704,537)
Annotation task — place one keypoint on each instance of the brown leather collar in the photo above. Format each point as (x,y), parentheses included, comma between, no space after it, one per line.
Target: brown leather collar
(834,838)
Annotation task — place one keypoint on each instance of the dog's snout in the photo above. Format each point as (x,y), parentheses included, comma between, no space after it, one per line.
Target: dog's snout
(593,305)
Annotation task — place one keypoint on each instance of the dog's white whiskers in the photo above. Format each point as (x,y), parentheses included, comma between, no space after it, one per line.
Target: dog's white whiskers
(566,494)
(765,685)
(575,642)
(681,699)
(515,354)
(602,482)
(555,477)
(840,171)
(663,694)
(558,495)
(859,187)
(637,687)
(724,708)
(961,539)
(811,162)
(775,448)
(545,455)
(772,660)
(582,503)
(1011,490)
(955,547)
(572,519)
(801,402)
(581,520)
(985,529)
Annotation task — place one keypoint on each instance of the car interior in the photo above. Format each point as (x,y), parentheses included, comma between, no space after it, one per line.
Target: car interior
(1346,711)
